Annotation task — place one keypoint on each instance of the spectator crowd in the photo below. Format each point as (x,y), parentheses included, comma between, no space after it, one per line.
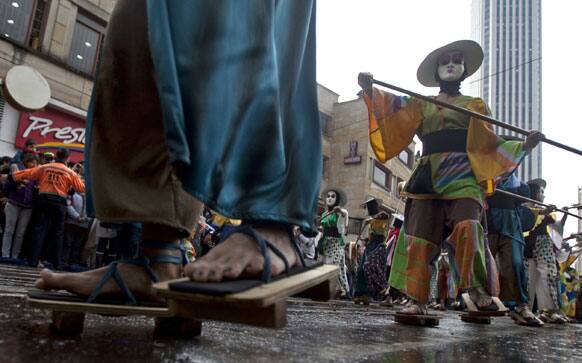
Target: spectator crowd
(43,215)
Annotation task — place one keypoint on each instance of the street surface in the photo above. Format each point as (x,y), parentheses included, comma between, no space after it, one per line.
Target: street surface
(338,331)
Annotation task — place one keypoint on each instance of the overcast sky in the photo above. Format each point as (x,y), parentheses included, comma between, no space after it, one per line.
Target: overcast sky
(391,38)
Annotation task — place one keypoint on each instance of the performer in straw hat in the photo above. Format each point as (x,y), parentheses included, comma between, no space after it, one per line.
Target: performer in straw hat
(462,159)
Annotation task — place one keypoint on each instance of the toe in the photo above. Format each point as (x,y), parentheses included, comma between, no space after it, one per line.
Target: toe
(233,270)
(198,271)
(41,284)
(215,273)
(189,268)
(46,280)
(254,267)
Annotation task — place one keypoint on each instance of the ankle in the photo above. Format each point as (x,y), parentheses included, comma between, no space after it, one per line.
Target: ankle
(167,271)
(165,258)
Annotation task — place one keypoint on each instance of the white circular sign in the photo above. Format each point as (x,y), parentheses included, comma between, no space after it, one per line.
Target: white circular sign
(26,89)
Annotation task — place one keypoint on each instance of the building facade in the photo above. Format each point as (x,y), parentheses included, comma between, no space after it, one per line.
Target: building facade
(349,162)
(510,80)
(62,40)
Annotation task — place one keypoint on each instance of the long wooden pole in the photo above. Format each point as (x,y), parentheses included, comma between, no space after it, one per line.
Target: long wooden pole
(525,199)
(476,115)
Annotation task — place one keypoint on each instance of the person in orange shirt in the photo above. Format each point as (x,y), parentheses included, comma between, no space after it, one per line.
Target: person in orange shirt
(55,181)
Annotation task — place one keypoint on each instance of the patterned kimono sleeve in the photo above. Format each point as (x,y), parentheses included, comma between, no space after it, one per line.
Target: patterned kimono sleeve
(393,122)
(492,158)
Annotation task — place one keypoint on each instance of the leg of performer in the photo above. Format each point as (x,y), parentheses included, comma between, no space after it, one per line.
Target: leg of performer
(475,266)
(519,268)
(423,229)
(503,253)
(166,158)
(533,277)
(547,289)
(519,291)
(134,276)
(513,285)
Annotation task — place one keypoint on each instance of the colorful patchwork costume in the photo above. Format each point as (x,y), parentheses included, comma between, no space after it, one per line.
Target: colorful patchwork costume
(461,156)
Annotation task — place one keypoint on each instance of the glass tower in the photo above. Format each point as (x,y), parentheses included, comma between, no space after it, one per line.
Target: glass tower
(510,80)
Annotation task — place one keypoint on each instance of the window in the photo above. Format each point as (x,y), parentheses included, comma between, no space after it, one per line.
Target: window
(406,157)
(38,24)
(382,176)
(87,38)
(379,176)
(403,156)
(15,19)
(23,21)
(2,103)
(325,120)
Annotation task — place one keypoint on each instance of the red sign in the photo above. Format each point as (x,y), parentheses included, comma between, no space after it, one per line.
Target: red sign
(52,129)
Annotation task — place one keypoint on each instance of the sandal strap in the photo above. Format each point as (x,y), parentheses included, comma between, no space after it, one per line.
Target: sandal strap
(112,273)
(279,254)
(249,231)
(182,260)
(263,244)
(295,244)
(144,262)
(176,260)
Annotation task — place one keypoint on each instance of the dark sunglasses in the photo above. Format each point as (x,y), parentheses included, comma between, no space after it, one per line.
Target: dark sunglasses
(456,58)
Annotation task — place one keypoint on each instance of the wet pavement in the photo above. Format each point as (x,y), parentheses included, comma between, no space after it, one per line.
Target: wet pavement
(322,332)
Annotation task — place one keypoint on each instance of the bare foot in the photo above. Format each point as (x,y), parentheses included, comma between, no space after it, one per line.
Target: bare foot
(480,297)
(387,302)
(135,278)
(414,308)
(239,255)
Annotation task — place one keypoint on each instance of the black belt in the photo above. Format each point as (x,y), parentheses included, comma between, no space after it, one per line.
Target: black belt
(331,232)
(444,141)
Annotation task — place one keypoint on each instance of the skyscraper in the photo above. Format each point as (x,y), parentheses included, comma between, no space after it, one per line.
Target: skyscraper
(510,80)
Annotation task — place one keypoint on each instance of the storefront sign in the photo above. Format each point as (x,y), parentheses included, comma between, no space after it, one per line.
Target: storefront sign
(52,129)
(353,157)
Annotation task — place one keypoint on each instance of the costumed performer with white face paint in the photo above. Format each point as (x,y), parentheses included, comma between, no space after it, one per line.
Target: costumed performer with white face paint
(445,194)
(540,252)
(334,221)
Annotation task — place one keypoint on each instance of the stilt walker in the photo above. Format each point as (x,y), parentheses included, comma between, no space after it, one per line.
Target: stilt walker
(462,159)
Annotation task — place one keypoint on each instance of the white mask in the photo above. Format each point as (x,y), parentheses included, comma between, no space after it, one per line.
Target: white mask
(451,66)
(331,198)
(541,194)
